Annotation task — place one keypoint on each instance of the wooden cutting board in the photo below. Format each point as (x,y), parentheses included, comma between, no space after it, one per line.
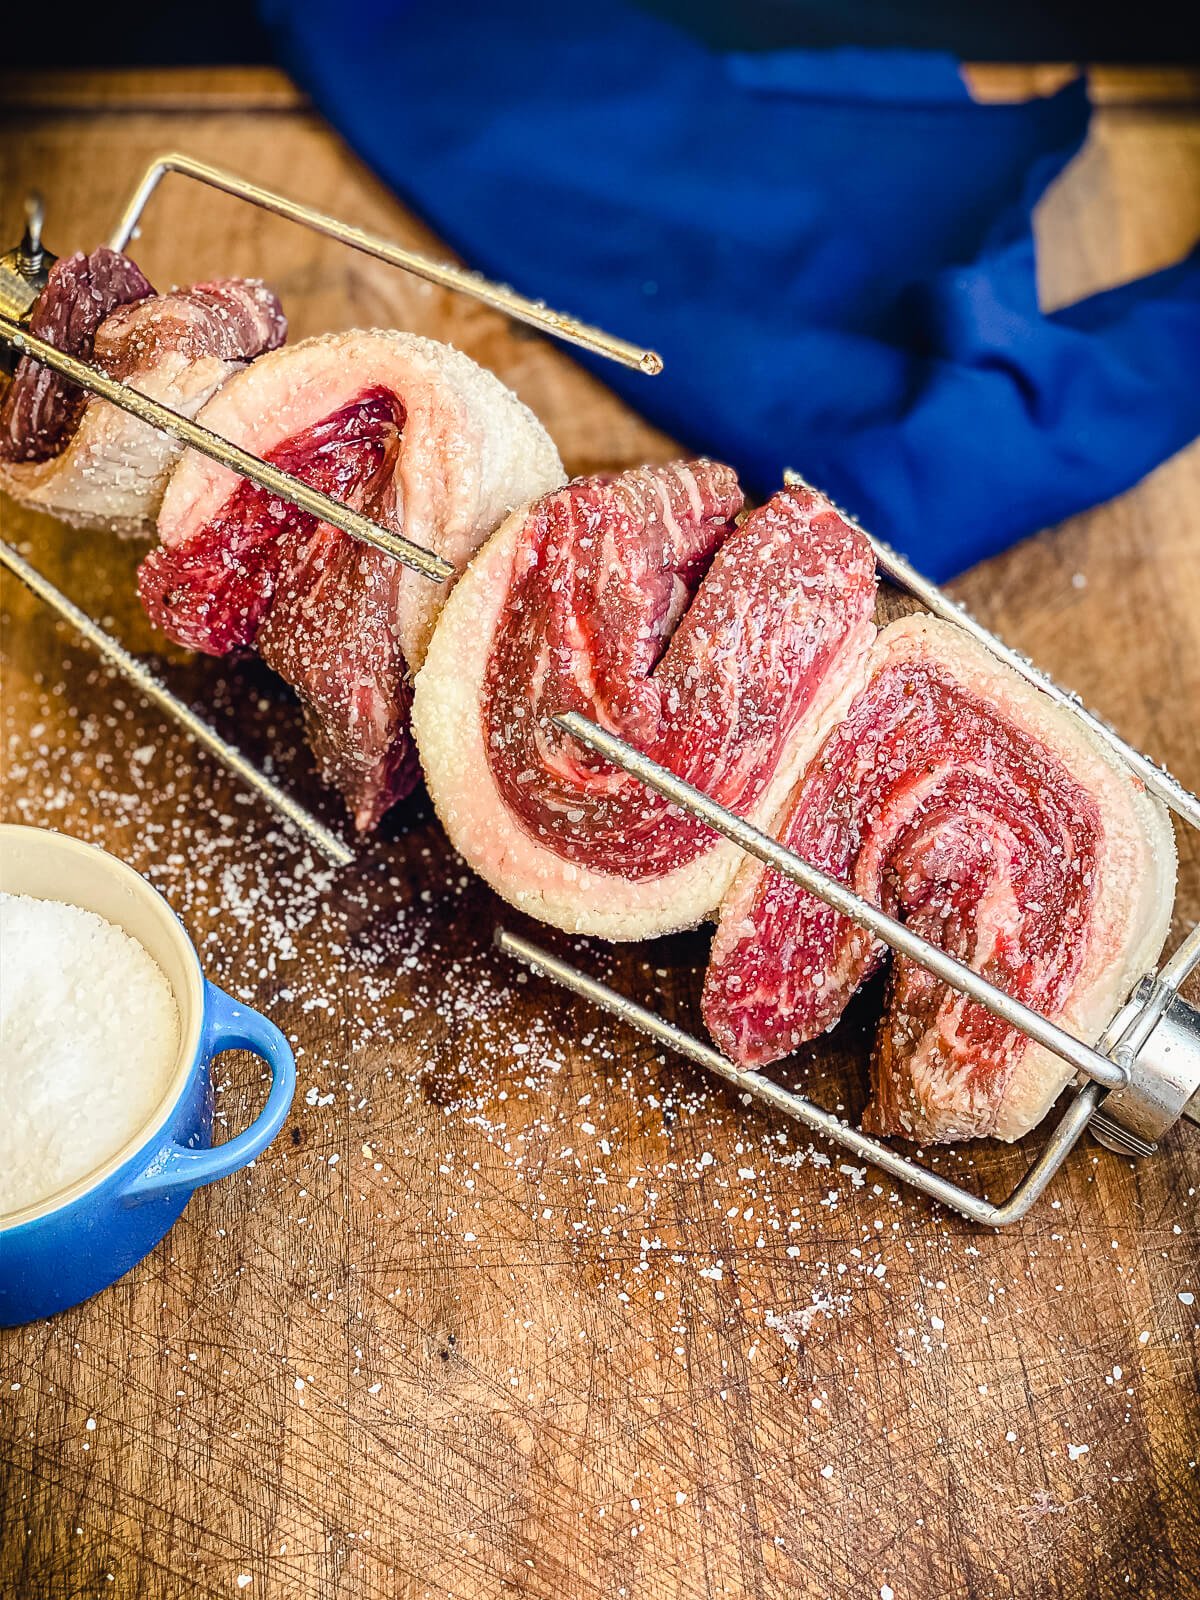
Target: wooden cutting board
(514,1305)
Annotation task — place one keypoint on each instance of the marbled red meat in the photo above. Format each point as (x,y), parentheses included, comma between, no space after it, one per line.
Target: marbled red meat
(215,591)
(40,410)
(720,650)
(85,460)
(967,804)
(411,433)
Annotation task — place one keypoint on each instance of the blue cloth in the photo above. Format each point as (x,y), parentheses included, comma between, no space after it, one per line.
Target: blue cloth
(831,250)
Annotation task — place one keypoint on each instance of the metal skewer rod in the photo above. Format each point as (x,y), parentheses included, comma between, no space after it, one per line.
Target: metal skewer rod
(753,1086)
(902,573)
(159,695)
(227,454)
(1112,1074)
(499,296)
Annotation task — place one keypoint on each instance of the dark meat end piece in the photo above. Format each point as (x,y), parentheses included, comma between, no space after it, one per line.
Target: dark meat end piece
(41,411)
(90,463)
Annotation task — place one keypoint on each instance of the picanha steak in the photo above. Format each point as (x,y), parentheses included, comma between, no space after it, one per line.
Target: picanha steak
(966,803)
(724,649)
(410,432)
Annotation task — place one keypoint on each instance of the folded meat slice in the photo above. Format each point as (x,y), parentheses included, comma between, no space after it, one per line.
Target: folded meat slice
(40,410)
(987,818)
(84,460)
(723,651)
(410,432)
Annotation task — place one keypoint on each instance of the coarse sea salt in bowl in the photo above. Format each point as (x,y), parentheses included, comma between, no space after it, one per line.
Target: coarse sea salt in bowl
(108,1028)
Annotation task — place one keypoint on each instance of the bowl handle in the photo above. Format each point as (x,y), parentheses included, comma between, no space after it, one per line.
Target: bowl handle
(227,1026)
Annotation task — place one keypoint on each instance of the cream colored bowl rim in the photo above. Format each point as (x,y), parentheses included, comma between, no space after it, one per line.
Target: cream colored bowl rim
(191,1013)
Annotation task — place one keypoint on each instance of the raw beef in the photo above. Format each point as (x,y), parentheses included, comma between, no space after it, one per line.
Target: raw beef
(41,410)
(84,460)
(966,803)
(722,650)
(408,431)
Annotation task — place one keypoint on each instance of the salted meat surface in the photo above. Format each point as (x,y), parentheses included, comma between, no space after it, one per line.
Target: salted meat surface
(40,411)
(410,432)
(967,804)
(84,460)
(720,649)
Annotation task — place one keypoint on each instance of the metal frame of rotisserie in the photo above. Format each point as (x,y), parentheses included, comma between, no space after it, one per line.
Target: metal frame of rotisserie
(23,273)
(1133,1085)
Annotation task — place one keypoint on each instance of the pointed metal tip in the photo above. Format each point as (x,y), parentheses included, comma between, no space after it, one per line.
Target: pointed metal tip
(651,363)
(35,221)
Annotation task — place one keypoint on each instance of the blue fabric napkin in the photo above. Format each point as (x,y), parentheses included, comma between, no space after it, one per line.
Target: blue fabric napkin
(831,250)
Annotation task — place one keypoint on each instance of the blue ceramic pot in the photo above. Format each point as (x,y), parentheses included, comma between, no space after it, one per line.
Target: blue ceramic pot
(76,1242)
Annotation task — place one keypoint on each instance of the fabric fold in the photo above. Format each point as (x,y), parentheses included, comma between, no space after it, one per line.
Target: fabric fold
(833,251)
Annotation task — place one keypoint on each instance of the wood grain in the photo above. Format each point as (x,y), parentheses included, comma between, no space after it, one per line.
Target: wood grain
(176,90)
(1110,86)
(193,89)
(514,1306)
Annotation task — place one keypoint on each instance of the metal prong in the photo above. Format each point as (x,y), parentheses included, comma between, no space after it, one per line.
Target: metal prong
(1115,1137)
(228,454)
(24,271)
(496,295)
(1112,1074)
(753,1086)
(30,249)
(159,695)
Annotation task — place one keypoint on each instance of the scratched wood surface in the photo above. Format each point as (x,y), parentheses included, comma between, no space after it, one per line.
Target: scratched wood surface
(514,1306)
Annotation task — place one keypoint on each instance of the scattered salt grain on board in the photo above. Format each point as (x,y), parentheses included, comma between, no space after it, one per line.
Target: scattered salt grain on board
(89,1031)
(426,1054)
